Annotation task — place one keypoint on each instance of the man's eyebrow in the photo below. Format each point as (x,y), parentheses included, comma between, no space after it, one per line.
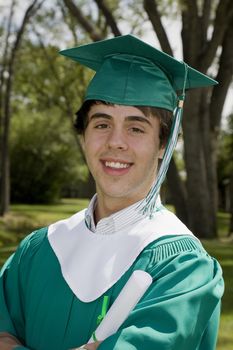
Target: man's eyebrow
(100,115)
(139,119)
(128,118)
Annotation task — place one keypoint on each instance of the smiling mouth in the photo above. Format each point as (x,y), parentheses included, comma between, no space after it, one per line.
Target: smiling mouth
(117,165)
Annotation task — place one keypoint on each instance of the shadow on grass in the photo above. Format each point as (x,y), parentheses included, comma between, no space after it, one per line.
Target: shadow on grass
(52,210)
(223,252)
(225,343)
(227,301)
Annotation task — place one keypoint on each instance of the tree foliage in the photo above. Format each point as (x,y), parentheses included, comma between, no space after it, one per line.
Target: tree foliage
(225,151)
(45,86)
(44,158)
(43,110)
(9,53)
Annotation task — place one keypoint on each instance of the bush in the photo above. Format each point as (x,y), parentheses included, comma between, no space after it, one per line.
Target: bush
(44,157)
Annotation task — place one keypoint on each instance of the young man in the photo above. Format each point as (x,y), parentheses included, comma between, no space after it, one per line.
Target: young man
(62,279)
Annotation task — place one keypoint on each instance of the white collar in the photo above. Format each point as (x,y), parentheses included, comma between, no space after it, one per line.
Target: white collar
(116,221)
(91,263)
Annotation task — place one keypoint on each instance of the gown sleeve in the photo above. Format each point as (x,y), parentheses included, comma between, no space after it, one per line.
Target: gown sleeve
(181,309)
(11,301)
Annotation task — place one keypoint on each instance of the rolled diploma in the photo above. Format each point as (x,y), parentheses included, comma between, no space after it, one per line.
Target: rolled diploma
(129,296)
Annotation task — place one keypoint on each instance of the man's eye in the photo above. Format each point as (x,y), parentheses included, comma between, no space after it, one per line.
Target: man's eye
(137,130)
(101,126)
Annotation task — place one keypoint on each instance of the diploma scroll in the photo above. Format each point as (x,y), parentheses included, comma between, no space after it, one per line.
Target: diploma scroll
(129,296)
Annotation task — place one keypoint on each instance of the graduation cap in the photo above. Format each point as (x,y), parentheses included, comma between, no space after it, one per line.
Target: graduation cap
(133,73)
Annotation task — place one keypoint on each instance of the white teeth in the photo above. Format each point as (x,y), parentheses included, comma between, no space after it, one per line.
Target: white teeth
(116,165)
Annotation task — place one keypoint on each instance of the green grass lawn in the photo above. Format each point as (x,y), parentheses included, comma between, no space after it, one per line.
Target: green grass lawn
(223,251)
(23,219)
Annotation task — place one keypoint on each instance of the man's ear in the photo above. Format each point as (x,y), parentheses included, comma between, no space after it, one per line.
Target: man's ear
(161,151)
(81,139)
(82,143)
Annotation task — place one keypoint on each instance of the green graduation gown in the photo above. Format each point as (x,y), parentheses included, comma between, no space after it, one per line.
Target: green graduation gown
(179,311)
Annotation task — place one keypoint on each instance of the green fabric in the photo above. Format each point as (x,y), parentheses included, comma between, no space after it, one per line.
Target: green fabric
(179,311)
(125,79)
(104,309)
(131,72)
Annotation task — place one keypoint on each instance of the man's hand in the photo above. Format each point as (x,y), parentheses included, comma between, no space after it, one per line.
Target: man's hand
(91,346)
(8,342)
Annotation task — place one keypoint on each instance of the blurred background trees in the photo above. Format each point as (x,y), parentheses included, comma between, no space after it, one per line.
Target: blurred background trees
(11,38)
(40,92)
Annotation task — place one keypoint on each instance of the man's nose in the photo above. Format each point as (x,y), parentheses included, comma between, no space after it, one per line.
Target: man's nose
(117,139)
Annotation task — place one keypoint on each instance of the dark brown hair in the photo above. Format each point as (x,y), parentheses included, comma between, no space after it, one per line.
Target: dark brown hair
(164,116)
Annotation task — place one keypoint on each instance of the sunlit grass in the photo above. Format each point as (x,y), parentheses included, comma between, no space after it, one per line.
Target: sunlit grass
(223,252)
(23,219)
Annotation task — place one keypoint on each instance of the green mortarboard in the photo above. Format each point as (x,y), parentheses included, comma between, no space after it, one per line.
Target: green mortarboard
(131,72)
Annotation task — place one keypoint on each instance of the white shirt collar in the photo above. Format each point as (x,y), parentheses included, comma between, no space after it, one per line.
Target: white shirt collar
(115,222)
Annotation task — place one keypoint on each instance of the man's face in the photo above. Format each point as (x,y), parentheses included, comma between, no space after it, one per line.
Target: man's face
(121,146)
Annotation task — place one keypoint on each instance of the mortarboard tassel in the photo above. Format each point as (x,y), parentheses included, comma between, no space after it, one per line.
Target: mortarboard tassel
(148,205)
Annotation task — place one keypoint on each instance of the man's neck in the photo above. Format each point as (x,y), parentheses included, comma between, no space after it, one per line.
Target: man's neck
(106,208)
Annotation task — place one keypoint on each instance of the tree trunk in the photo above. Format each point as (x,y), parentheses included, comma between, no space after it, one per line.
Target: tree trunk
(84,22)
(5,160)
(199,135)
(4,125)
(4,152)
(209,145)
(5,180)
(199,204)
(5,168)
(231,206)
(178,192)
